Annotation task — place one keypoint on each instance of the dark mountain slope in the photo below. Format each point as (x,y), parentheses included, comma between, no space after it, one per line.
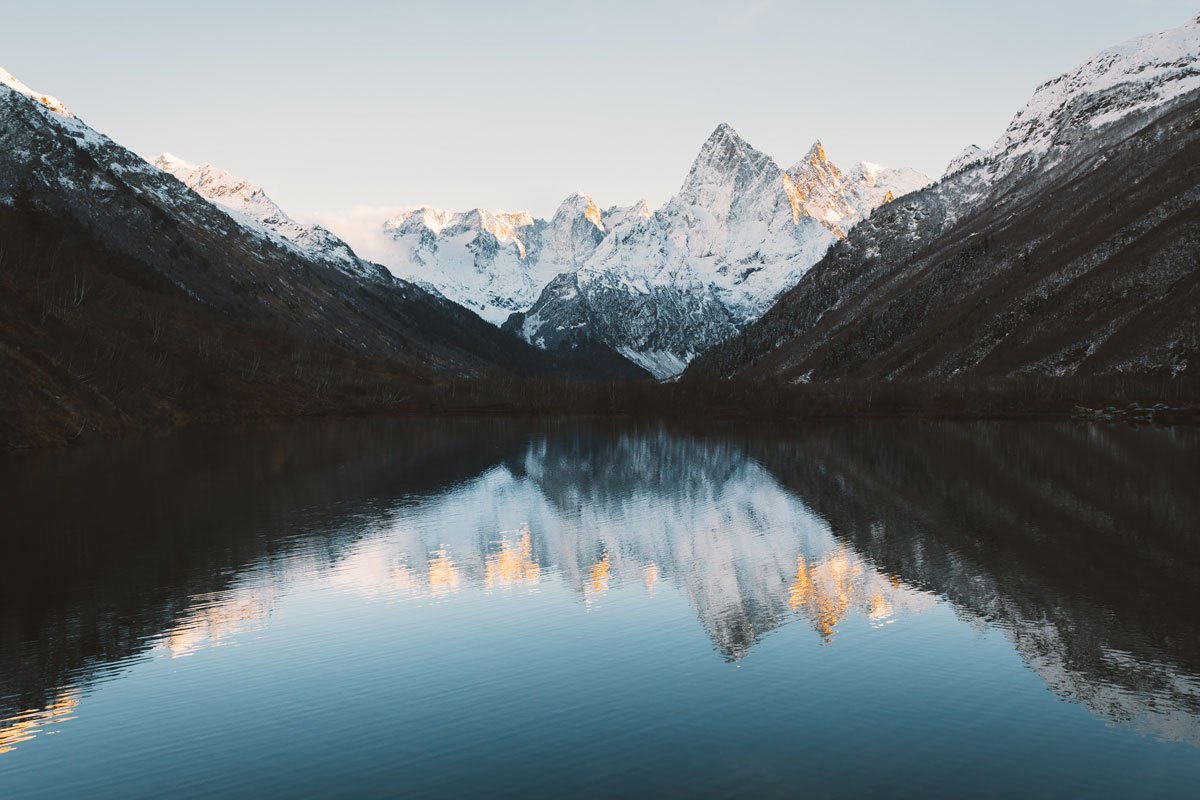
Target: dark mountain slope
(128,298)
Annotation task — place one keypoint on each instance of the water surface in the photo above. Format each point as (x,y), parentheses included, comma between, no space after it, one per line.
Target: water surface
(426,609)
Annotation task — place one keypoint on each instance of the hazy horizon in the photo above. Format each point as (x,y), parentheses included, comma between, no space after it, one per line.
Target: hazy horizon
(377,107)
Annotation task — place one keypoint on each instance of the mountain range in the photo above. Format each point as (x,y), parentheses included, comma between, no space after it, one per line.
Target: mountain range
(132,296)
(659,286)
(164,291)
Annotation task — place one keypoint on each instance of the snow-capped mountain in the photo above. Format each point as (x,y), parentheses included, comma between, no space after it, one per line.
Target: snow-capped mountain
(815,186)
(489,261)
(658,286)
(662,288)
(1068,248)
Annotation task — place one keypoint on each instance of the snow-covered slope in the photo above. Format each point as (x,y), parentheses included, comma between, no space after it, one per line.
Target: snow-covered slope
(249,205)
(485,260)
(970,155)
(658,286)
(1135,76)
(1129,81)
(1140,75)
(54,109)
(874,185)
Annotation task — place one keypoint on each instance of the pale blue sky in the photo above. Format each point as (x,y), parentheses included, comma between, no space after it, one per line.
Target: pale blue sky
(514,105)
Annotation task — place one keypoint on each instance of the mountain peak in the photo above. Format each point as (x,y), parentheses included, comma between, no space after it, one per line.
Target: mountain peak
(725,143)
(576,205)
(724,130)
(725,160)
(815,163)
(971,154)
(169,162)
(51,103)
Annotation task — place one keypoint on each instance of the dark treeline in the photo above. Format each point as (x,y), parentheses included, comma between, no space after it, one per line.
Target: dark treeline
(715,398)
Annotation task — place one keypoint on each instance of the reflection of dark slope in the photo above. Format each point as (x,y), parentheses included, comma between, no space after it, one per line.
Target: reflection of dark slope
(736,583)
(1079,542)
(603,465)
(105,548)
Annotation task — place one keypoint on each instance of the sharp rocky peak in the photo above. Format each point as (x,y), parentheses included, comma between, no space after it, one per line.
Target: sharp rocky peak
(816,164)
(726,169)
(579,205)
(816,154)
(724,149)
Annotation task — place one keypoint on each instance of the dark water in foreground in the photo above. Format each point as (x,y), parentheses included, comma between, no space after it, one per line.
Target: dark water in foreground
(420,609)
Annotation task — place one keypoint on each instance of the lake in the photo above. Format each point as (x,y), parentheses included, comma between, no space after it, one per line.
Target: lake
(417,608)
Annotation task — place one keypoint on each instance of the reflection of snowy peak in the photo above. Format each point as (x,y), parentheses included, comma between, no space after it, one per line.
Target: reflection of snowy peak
(658,286)
(649,510)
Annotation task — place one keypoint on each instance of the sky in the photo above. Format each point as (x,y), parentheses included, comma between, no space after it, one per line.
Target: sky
(351,106)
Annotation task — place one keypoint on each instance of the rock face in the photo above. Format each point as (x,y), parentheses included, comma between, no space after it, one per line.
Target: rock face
(1069,248)
(657,286)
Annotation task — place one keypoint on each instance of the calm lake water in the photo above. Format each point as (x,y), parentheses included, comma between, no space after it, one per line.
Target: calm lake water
(491,609)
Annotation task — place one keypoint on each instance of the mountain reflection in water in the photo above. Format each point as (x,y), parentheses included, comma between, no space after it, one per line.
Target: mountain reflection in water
(1080,543)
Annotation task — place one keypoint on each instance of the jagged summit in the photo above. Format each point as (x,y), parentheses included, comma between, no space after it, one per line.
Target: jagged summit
(47,101)
(169,162)
(724,131)
(816,154)
(815,188)
(580,204)
(725,172)
(213,182)
(725,153)
(505,226)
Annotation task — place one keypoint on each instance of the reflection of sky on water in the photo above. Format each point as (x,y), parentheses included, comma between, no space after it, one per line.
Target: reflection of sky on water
(685,555)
